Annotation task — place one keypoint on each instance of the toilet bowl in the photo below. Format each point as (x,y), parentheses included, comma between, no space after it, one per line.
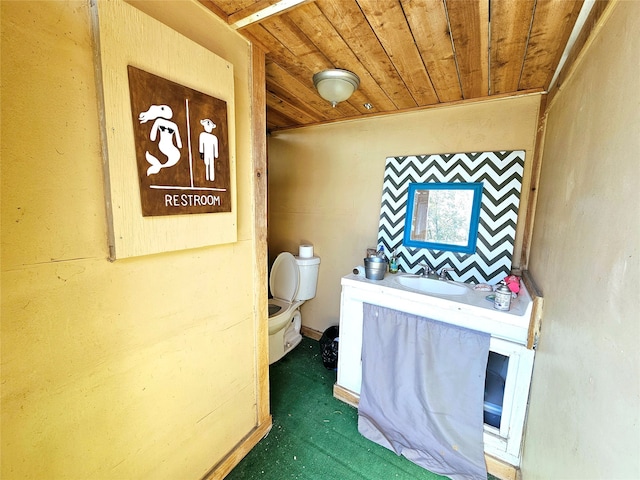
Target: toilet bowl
(293,281)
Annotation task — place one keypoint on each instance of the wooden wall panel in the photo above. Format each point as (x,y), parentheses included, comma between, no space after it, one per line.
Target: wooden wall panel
(184,62)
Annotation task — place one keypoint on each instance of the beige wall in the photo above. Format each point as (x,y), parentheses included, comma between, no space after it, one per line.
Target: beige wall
(325,182)
(585,398)
(141,368)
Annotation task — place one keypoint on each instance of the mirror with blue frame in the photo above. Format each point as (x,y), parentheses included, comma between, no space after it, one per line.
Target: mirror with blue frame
(443,216)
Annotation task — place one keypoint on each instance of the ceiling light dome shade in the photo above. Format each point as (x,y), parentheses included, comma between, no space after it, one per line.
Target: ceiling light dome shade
(336,85)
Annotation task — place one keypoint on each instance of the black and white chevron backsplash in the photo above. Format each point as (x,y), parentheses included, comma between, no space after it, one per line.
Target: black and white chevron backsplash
(501,175)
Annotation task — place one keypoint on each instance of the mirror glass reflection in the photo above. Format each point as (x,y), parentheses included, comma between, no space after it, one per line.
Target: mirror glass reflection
(443,216)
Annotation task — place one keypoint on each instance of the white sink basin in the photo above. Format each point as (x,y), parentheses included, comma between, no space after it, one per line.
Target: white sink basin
(430,285)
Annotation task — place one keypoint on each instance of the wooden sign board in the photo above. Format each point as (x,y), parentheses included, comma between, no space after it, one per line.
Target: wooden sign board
(182,147)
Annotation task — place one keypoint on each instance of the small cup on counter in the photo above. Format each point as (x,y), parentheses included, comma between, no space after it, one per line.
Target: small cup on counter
(502,299)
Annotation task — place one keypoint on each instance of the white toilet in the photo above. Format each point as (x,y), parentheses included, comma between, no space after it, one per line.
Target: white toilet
(293,280)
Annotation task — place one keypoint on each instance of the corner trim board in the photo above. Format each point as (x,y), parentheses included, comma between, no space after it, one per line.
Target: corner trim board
(222,468)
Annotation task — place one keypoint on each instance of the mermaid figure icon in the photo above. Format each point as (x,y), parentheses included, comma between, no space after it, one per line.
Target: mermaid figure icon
(167,132)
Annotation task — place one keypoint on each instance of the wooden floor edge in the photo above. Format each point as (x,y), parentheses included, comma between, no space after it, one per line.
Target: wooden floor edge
(496,467)
(222,469)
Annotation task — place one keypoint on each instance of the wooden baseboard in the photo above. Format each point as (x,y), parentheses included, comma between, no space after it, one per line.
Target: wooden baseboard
(227,464)
(495,467)
(346,395)
(500,469)
(310,332)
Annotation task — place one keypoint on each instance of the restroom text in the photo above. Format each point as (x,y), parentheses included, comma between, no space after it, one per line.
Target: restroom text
(190,200)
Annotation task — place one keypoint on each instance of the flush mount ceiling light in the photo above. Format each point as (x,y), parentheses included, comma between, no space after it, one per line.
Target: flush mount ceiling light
(336,85)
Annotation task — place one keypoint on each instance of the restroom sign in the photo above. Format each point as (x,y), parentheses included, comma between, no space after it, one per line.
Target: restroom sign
(182,147)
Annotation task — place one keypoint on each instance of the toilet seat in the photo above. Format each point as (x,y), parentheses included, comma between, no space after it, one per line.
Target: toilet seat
(284,282)
(285,277)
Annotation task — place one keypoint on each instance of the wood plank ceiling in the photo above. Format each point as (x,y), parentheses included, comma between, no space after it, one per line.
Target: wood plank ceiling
(408,54)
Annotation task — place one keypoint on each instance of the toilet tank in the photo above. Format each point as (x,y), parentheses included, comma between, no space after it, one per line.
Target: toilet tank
(309,268)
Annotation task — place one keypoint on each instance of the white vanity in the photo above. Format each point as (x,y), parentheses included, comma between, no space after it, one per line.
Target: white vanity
(512,332)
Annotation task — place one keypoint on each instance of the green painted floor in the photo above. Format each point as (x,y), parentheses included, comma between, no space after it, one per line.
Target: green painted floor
(315,436)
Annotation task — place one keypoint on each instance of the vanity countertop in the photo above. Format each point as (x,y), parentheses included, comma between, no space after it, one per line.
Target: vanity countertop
(470,310)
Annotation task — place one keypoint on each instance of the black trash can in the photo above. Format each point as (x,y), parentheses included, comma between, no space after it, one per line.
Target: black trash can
(329,347)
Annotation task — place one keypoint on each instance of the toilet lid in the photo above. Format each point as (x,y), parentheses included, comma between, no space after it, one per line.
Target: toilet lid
(285,277)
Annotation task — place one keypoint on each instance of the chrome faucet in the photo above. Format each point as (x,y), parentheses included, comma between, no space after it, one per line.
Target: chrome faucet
(444,273)
(427,270)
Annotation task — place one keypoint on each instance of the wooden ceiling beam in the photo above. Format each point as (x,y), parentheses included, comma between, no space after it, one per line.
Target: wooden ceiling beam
(352,26)
(469,22)
(510,24)
(553,22)
(262,10)
(430,30)
(289,110)
(278,121)
(390,26)
(597,16)
(322,33)
(213,7)
(408,54)
(299,58)
(280,82)
(281,55)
